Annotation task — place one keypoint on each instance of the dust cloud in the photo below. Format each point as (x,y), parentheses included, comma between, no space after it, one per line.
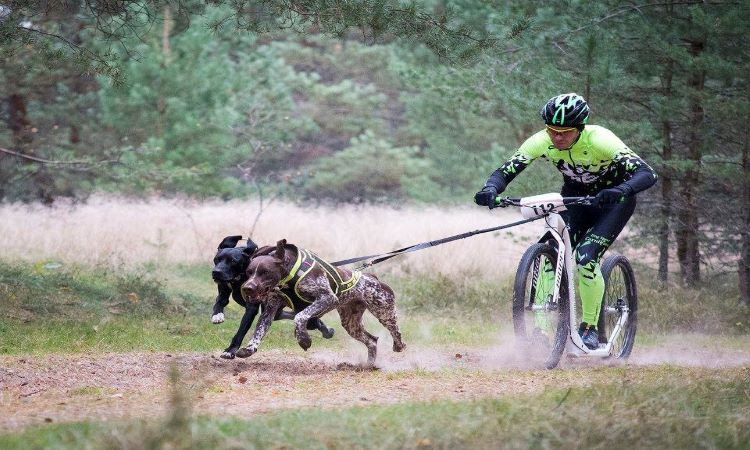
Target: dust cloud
(684,350)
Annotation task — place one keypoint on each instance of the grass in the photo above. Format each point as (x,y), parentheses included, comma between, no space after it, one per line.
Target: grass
(197,334)
(713,308)
(459,297)
(92,391)
(33,291)
(77,309)
(666,407)
(69,310)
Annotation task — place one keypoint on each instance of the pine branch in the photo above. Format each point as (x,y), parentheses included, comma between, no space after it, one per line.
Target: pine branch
(50,161)
(630,8)
(374,19)
(63,39)
(103,66)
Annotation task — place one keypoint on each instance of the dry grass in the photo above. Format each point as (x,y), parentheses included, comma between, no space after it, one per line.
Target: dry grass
(126,233)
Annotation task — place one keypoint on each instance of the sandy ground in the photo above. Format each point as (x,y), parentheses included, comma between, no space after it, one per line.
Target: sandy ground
(103,387)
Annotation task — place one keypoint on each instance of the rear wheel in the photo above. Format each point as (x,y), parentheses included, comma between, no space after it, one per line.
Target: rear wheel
(540,324)
(620,296)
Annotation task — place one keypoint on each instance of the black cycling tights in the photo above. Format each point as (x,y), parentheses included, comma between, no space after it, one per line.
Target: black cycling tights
(592,231)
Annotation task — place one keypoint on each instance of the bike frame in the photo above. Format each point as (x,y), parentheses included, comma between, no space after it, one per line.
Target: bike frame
(555,224)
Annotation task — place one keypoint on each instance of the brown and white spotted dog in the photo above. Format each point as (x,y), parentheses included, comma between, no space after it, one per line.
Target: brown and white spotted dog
(286,275)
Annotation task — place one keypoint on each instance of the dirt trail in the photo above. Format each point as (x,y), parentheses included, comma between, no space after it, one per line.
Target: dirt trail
(66,388)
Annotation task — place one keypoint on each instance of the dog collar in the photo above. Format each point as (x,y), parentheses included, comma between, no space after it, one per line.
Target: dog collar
(293,272)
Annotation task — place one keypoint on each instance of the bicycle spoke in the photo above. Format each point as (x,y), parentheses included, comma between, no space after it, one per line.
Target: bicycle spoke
(536,317)
(619,297)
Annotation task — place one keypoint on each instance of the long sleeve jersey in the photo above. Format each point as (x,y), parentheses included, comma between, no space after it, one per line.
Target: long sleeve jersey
(598,160)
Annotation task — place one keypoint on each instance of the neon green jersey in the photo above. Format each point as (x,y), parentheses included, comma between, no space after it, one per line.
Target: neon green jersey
(598,160)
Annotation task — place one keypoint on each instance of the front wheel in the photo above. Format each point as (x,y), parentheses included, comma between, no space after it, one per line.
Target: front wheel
(620,295)
(540,324)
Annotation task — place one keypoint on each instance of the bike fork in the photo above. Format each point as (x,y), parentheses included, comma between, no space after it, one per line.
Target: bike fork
(561,234)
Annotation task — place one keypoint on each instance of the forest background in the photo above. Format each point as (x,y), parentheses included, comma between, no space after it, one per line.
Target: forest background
(379,102)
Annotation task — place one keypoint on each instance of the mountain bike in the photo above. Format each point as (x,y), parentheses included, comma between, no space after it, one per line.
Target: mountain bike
(545,309)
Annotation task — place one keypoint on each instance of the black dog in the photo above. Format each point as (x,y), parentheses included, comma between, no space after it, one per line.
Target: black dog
(230,264)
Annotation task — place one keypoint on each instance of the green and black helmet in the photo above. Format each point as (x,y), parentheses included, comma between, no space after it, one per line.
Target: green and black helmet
(566,110)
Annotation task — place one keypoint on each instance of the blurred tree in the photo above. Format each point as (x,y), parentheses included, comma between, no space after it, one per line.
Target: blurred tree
(370,169)
(680,61)
(48,104)
(189,117)
(97,37)
(34,25)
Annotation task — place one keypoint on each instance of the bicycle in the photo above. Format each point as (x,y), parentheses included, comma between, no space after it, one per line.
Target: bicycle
(544,318)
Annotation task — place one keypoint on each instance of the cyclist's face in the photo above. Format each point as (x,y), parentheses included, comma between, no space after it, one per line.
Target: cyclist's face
(562,138)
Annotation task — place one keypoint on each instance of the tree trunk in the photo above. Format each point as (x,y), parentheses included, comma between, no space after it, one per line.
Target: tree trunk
(744,263)
(20,128)
(80,84)
(688,250)
(161,106)
(18,122)
(23,139)
(666,182)
(590,50)
(166,30)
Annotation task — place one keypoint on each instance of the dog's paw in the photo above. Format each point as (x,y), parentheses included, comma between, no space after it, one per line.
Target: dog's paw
(327,333)
(227,355)
(245,352)
(303,339)
(399,346)
(217,318)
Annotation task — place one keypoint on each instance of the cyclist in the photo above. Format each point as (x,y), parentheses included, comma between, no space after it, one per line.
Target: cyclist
(593,162)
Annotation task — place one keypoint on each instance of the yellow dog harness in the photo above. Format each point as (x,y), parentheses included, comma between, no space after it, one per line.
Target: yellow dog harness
(306,261)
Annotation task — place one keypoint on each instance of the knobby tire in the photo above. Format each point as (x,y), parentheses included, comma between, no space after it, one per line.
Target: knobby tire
(619,282)
(523,297)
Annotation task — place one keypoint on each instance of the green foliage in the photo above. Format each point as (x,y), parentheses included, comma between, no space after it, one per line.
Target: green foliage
(191,113)
(371,169)
(31,292)
(211,109)
(186,104)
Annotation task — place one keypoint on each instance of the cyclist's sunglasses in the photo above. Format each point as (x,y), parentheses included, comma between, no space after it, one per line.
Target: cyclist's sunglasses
(560,130)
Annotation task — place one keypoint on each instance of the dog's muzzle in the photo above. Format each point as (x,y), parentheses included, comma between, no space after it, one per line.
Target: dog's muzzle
(218,275)
(254,291)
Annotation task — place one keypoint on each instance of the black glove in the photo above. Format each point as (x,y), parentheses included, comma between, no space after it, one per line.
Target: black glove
(486,197)
(613,195)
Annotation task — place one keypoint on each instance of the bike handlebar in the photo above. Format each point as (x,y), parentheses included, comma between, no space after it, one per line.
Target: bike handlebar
(502,202)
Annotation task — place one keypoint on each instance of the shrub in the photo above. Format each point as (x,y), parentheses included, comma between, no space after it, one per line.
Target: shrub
(371,169)
(53,290)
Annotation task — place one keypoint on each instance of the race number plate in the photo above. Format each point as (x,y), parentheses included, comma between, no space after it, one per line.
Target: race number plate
(540,205)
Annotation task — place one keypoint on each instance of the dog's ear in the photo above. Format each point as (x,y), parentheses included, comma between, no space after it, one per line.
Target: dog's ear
(250,248)
(280,248)
(229,242)
(265,250)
